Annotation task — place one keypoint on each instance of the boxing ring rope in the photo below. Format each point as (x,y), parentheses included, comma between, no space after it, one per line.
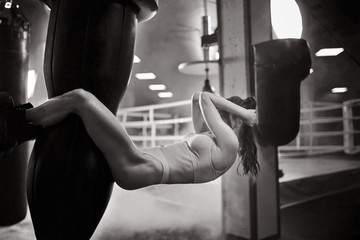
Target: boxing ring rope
(327,128)
(324,127)
(153,121)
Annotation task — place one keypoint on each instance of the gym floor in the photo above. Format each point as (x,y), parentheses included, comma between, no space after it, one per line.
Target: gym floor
(324,203)
(320,200)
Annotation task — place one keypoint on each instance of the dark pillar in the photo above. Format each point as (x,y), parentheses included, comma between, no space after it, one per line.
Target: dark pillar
(272,72)
(250,208)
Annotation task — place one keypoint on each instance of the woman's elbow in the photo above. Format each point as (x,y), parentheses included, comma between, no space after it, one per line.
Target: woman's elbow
(195,96)
(124,182)
(205,97)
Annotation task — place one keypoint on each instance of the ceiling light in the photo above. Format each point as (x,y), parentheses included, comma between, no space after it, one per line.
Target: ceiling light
(165,94)
(157,87)
(311,70)
(8,5)
(326,52)
(145,76)
(136,59)
(198,67)
(339,90)
(286,19)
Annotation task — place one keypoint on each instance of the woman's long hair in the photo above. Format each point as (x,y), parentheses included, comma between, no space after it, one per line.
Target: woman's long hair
(247,149)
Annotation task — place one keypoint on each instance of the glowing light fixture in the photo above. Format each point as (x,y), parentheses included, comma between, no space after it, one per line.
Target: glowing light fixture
(8,5)
(157,87)
(311,70)
(165,94)
(286,19)
(145,76)
(326,52)
(136,59)
(339,90)
(31,82)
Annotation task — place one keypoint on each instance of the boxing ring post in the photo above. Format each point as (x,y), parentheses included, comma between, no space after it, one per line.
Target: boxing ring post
(253,64)
(90,45)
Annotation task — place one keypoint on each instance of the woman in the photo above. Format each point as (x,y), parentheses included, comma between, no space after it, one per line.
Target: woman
(203,156)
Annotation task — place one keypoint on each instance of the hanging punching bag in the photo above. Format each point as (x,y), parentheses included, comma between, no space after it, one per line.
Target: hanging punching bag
(90,45)
(280,66)
(14,58)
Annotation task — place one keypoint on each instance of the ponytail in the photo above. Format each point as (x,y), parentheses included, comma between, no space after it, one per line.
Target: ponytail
(247,149)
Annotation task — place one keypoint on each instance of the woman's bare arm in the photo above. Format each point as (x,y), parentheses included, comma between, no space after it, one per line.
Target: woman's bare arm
(247,115)
(227,143)
(197,117)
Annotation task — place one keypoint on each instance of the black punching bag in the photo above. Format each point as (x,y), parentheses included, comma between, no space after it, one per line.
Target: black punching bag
(14,58)
(90,45)
(280,66)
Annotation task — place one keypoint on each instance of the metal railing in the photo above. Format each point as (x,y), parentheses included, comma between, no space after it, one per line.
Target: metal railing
(327,128)
(155,126)
(324,127)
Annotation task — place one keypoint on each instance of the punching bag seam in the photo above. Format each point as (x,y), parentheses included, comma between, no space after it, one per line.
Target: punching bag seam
(125,12)
(53,91)
(52,50)
(88,17)
(33,181)
(77,122)
(52,54)
(68,166)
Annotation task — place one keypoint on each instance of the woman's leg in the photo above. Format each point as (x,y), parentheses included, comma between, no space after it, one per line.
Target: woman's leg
(130,168)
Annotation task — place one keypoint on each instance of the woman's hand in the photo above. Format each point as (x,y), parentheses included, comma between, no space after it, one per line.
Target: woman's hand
(251,118)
